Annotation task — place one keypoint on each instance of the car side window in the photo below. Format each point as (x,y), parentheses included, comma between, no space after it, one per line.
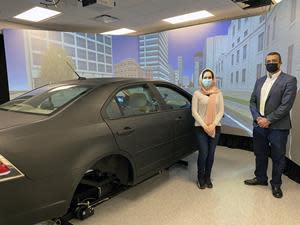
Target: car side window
(173,99)
(113,109)
(135,101)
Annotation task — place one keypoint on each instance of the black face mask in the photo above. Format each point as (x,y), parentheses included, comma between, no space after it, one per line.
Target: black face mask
(272,67)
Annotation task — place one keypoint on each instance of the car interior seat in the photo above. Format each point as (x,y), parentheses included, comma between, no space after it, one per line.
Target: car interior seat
(138,104)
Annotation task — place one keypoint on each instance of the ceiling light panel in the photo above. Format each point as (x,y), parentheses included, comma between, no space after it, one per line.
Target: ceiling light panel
(189,17)
(121,31)
(37,14)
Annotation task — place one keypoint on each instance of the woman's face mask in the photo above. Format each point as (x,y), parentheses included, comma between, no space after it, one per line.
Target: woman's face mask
(207,79)
(206,82)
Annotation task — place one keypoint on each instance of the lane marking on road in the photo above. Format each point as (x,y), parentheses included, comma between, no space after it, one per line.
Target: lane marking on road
(239,123)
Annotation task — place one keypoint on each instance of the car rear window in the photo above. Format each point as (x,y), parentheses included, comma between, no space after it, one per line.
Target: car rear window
(45,100)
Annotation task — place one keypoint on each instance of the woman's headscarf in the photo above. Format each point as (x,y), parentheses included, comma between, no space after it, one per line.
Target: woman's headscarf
(211,92)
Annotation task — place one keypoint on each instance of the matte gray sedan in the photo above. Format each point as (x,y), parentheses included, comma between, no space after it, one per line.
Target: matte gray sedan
(64,143)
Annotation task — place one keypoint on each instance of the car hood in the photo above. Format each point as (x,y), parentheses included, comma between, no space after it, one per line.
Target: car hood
(10,119)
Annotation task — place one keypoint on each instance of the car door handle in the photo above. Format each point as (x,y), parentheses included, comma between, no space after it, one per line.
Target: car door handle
(125,131)
(179,118)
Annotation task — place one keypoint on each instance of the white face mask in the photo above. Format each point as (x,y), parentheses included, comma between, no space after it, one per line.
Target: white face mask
(206,82)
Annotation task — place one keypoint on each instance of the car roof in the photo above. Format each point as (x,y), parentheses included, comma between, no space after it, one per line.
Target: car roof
(103,81)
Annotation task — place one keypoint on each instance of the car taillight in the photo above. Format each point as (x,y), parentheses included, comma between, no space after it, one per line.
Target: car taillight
(4,170)
(8,171)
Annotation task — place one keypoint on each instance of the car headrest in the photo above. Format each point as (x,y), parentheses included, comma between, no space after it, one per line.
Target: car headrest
(137,100)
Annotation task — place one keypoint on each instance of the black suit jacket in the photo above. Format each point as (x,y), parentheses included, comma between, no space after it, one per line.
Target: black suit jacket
(279,101)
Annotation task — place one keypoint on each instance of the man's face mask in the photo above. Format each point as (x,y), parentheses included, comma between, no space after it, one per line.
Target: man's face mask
(272,67)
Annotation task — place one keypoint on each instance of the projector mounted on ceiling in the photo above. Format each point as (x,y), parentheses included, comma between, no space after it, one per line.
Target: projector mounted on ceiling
(250,4)
(99,4)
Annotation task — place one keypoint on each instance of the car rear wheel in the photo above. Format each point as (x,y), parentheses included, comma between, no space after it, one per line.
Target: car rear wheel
(104,180)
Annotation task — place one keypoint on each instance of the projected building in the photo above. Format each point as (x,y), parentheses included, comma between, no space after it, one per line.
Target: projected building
(153,53)
(214,56)
(198,67)
(180,69)
(91,53)
(240,62)
(129,68)
(283,35)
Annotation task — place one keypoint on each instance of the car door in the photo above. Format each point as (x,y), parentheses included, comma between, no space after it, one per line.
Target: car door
(140,127)
(178,103)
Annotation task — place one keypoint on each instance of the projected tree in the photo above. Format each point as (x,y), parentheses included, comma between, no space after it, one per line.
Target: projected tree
(54,66)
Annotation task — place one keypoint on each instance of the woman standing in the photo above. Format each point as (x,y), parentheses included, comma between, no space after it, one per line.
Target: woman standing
(208,110)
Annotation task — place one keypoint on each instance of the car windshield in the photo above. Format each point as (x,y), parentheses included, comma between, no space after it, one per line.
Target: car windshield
(45,100)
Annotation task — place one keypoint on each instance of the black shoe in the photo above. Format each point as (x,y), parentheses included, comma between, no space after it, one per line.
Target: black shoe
(208,182)
(277,192)
(254,181)
(201,184)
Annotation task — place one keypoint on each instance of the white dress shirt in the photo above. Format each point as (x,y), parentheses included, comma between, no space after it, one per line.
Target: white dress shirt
(265,90)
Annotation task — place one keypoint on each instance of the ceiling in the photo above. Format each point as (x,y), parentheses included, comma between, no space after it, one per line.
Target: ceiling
(144,16)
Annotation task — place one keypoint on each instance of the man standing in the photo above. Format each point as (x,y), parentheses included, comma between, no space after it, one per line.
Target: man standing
(270,104)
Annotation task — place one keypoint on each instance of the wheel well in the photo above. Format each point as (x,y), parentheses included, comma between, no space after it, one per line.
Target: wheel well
(117,165)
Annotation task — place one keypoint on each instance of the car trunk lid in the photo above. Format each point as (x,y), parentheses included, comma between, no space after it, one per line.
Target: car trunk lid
(9,119)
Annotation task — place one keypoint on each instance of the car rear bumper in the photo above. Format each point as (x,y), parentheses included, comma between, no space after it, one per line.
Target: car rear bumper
(23,201)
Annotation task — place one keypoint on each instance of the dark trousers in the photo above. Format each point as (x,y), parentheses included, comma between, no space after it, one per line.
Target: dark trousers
(269,142)
(207,147)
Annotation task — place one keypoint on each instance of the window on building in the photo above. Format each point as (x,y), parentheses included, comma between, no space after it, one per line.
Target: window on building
(100,48)
(108,50)
(91,36)
(237,76)
(222,66)
(81,42)
(107,40)
(293,10)
(82,34)
(238,40)
(232,45)
(233,31)
(244,75)
(93,67)
(258,70)
(81,53)
(261,41)
(274,28)
(245,52)
(91,56)
(69,38)
(290,59)
(100,58)
(246,19)
(268,35)
(245,33)
(101,68)
(99,37)
(82,65)
(108,69)
(92,45)
(239,24)
(262,18)
(238,56)
(232,59)
(231,78)
(108,59)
